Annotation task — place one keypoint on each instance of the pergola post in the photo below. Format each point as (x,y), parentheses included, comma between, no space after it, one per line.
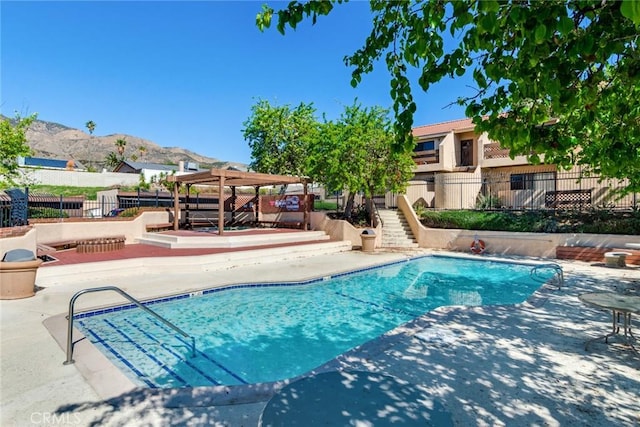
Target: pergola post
(187,221)
(257,187)
(176,205)
(233,205)
(221,206)
(305,218)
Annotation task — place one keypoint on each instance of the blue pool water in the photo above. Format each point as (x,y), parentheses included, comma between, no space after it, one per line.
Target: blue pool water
(267,332)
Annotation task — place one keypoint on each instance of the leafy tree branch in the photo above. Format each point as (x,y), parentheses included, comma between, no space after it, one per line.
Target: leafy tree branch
(556,80)
(13,144)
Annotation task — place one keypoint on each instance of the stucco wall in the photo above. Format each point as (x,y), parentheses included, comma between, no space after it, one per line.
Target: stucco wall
(79,179)
(448,195)
(131,228)
(342,230)
(25,241)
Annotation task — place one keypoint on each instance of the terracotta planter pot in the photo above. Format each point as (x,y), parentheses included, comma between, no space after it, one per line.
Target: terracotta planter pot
(18,279)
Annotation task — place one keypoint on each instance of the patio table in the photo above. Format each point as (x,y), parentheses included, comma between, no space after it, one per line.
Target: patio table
(621,306)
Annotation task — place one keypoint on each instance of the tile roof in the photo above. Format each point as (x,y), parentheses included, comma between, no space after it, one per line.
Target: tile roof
(443,128)
(138,166)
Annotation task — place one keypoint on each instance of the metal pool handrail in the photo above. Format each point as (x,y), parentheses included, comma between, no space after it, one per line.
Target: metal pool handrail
(72,302)
(559,274)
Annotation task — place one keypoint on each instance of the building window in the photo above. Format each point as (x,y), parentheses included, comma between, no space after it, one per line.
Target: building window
(425,146)
(522,181)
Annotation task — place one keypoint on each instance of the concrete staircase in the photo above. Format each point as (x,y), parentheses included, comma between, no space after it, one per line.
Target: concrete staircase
(396,232)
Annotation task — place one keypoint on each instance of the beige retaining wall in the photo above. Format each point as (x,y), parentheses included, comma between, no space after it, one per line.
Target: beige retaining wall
(79,178)
(506,243)
(131,228)
(25,240)
(50,232)
(342,230)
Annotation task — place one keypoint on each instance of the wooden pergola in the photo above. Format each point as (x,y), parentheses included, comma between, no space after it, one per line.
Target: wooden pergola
(231,178)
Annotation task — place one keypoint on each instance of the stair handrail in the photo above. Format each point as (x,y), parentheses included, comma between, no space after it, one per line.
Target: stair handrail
(377,215)
(558,272)
(72,302)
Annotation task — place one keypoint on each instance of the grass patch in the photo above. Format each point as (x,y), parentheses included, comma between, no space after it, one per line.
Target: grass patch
(320,205)
(90,193)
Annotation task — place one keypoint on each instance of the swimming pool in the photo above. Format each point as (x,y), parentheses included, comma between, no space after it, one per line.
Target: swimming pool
(264,332)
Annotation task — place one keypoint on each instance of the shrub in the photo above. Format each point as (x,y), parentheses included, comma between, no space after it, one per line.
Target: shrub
(488,202)
(596,221)
(129,212)
(46,213)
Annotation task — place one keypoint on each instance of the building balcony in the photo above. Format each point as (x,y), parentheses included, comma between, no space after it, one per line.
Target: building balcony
(494,156)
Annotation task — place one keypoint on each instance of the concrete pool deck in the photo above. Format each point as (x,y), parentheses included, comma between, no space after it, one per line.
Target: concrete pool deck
(488,366)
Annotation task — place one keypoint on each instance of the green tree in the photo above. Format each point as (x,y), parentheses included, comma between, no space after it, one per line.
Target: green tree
(354,153)
(13,144)
(112,160)
(279,137)
(142,150)
(574,63)
(91,126)
(121,145)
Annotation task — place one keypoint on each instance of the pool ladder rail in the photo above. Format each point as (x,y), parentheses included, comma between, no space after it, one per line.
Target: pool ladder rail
(558,273)
(72,302)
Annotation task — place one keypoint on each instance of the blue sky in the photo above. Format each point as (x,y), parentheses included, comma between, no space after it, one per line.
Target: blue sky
(186,73)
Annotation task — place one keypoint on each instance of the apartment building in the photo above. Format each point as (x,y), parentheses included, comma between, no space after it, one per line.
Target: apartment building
(456,168)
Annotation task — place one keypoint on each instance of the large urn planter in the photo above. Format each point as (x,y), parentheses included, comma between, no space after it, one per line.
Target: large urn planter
(18,278)
(368,240)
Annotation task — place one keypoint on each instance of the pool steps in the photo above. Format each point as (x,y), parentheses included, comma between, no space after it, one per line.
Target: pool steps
(70,317)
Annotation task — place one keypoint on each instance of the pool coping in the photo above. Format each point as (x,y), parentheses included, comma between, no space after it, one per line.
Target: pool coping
(110,382)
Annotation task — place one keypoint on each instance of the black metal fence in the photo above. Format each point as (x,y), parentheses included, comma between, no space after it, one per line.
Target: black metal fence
(521,191)
(32,205)
(17,206)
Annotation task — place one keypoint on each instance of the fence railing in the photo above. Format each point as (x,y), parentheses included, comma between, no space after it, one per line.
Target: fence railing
(520,191)
(50,206)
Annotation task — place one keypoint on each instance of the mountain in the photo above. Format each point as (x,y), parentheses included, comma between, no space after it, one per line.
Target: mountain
(55,141)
